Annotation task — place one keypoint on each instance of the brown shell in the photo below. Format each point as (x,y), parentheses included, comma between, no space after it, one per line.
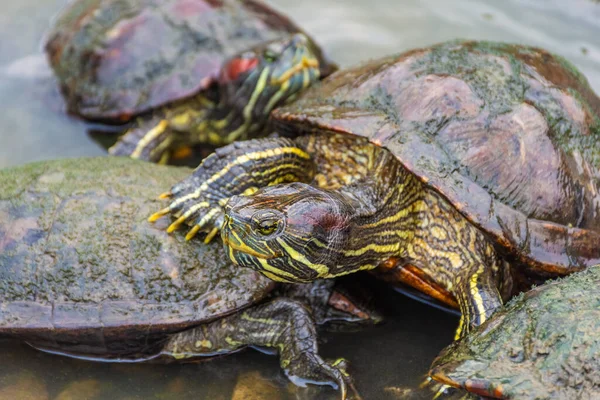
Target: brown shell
(115,59)
(79,263)
(508,134)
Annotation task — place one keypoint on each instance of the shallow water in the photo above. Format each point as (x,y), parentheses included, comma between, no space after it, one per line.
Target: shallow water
(387,361)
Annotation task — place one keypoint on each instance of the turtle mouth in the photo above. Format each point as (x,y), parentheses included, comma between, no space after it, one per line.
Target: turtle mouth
(232,240)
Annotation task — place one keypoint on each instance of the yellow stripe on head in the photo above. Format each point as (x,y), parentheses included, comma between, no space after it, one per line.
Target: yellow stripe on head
(275,274)
(321,269)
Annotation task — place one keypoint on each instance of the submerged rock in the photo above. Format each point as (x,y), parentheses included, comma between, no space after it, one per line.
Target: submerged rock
(253,386)
(24,386)
(86,389)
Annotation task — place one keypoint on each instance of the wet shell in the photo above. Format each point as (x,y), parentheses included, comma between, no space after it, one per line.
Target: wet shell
(118,58)
(508,134)
(82,269)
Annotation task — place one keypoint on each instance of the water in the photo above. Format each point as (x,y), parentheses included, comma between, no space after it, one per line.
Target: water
(388,361)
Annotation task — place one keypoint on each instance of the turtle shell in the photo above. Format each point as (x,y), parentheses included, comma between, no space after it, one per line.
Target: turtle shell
(508,134)
(543,345)
(118,58)
(81,268)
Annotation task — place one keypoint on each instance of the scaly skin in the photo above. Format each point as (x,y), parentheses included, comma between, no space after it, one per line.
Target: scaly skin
(150,293)
(283,325)
(251,85)
(465,123)
(335,218)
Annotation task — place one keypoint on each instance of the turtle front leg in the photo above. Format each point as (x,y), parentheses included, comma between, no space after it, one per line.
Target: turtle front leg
(478,299)
(149,140)
(240,168)
(157,137)
(283,325)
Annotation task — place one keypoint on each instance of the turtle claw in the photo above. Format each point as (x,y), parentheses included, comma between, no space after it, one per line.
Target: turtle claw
(192,232)
(176,224)
(159,214)
(440,390)
(199,200)
(211,235)
(196,228)
(339,369)
(204,214)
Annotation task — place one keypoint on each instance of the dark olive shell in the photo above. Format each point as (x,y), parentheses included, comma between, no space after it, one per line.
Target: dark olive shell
(543,345)
(80,264)
(508,134)
(118,58)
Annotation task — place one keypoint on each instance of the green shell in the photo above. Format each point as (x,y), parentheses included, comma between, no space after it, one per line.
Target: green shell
(79,263)
(508,134)
(118,58)
(544,345)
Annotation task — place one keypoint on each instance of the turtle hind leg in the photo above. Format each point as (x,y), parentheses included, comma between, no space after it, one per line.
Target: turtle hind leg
(283,325)
(150,139)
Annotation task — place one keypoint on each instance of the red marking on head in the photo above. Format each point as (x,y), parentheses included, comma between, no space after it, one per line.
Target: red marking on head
(317,217)
(232,70)
(331,221)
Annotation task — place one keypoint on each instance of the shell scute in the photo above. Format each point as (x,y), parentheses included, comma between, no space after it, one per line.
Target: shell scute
(116,59)
(100,273)
(542,344)
(472,119)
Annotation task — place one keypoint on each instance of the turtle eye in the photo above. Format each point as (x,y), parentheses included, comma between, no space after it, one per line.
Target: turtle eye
(270,56)
(266,223)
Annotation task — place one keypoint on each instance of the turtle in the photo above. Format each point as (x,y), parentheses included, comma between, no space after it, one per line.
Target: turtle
(197,71)
(543,344)
(83,274)
(451,168)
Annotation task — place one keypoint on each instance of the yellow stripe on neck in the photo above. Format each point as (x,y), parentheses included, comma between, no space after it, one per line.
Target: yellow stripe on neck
(247,112)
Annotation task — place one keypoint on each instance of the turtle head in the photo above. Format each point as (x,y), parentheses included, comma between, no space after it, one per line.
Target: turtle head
(268,75)
(289,233)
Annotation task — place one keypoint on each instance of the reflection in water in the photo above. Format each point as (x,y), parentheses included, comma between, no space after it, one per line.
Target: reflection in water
(388,361)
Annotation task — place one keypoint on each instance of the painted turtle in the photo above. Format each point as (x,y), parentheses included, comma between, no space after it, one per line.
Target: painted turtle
(446,166)
(84,274)
(221,66)
(543,344)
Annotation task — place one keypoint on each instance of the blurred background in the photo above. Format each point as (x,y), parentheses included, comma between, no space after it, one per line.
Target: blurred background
(34,128)
(388,362)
